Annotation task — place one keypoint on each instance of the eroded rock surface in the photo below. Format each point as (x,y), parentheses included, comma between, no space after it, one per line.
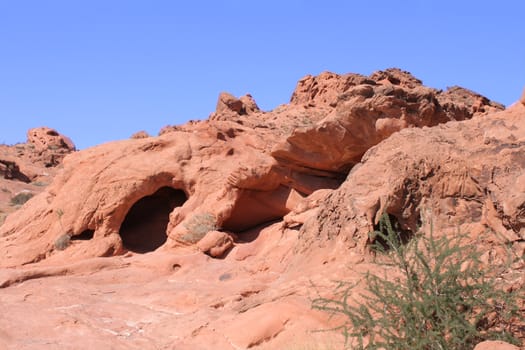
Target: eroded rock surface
(243,166)
(277,200)
(27,168)
(460,173)
(366,110)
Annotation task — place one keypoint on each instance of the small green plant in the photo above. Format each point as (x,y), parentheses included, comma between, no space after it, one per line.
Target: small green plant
(63,241)
(21,198)
(442,297)
(60,213)
(39,184)
(198,226)
(3,216)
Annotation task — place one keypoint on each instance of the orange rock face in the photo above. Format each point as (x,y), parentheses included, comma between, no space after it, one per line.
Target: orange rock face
(277,200)
(243,166)
(49,139)
(436,182)
(27,168)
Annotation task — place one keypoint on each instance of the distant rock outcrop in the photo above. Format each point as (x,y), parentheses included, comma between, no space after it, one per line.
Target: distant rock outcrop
(365,112)
(29,167)
(44,148)
(228,106)
(45,139)
(140,135)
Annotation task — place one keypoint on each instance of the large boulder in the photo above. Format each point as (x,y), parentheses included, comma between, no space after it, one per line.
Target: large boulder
(229,106)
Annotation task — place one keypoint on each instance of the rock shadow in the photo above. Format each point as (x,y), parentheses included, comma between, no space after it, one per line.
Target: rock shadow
(144,228)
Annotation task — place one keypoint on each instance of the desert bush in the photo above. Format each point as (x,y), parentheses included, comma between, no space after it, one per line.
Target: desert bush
(63,241)
(3,216)
(198,226)
(21,198)
(442,299)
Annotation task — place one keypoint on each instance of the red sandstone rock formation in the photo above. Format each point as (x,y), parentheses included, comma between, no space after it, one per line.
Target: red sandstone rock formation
(29,167)
(140,135)
(460,175)
(284,199)
(245,167)
(44,148)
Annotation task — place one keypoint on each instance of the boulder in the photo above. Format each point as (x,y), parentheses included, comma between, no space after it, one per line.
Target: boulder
(140,135)
(215,243)
(495,345)
(231,107)
(45,138)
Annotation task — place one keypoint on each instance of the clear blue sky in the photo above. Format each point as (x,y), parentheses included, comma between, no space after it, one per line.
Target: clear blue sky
(100,70)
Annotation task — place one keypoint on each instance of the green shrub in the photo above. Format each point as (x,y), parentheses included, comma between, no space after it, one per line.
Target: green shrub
(3,216)
(63,241)
(198,226)
(21,198)
(442,299)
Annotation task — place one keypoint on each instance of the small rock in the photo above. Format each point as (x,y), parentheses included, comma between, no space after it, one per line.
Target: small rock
(249,104)
(46,138)
(215,243)
(495,345)
(140,135)
(228,102)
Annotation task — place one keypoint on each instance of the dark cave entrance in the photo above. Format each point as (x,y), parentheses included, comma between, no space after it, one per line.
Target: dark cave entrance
(144,228)
(402,233)
(84,236)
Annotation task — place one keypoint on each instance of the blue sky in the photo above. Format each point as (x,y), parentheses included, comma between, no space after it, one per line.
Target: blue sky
(101,70)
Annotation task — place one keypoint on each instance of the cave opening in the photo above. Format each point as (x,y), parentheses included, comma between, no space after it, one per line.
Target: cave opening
(390,223)
(84,236)
(144,228)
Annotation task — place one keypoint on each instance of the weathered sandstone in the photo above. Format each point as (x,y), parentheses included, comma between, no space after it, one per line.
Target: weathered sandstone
(220,232)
